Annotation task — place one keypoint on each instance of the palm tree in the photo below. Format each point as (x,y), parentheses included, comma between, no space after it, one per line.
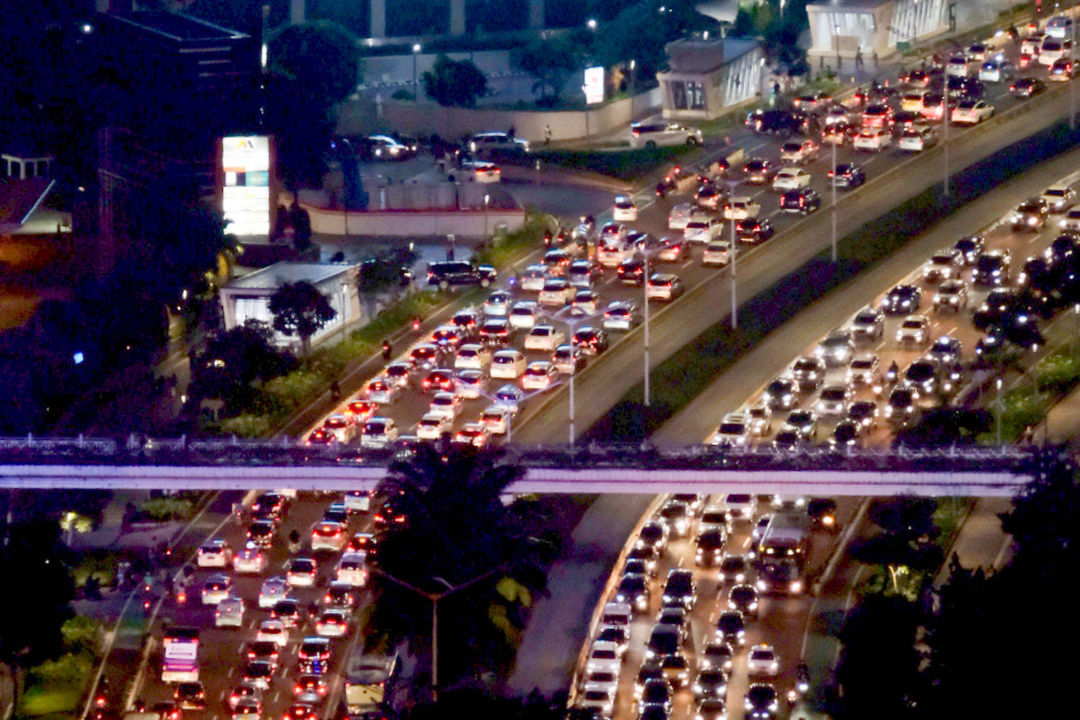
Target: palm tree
(462,548)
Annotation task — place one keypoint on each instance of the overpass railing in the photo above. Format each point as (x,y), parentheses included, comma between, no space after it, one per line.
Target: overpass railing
(183,451)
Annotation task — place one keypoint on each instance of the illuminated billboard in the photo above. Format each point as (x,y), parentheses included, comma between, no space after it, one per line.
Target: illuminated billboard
(245,191)
(594,85)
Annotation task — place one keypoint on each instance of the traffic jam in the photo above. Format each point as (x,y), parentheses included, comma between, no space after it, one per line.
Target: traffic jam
(472,377)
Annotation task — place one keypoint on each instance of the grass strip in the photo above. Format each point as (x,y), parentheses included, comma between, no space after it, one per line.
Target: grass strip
(621,163)
(688,372)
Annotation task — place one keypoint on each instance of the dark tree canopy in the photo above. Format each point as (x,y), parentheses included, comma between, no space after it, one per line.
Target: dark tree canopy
(300,309)
(551,62)
(235,359)
(453,82)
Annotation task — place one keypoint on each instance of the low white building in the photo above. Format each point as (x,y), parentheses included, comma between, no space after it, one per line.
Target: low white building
(248,297)
(706,76)
(865,28)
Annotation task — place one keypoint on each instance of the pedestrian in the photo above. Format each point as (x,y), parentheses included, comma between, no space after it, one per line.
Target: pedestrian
(875,59)
(335,391)
(547,134)
(858,57)
(512,131)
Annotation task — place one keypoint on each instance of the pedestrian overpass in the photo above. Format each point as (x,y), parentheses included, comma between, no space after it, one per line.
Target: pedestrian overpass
(175,464)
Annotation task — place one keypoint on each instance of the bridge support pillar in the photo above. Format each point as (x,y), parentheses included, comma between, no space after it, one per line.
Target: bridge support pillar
(457,17)
(297,12)
(536,14)
(378,19)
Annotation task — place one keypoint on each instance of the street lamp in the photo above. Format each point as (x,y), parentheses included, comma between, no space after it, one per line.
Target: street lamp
(572,322)
(998,403)
(945,137)
(645,254)
(487,201)
(591,23)
(512,410)
(732,184)
(834,202)
(416,48)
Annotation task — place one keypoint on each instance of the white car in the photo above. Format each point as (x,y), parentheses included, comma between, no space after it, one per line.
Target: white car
(918,138)
(445,403)
(472,356)
(357,501)
(740,506)
(378,432)
(971,112)
(540,375)
(482,170)
(273,589)
(604,656)
(301,572)
(328,535)
(702,231)
(834,400)
(433,426)
(791,178)
(545,338)
(760,419)
(599,697)
(343,427)
(273,631)
(247,709)
(215,589)
(762,661)
(251,560)
(332,623)
(585,302)
(610,253)
(620,316)
(995,71)
(734,431)
(716,254)
(214,553)
(497,419)
(873,139)
(799,151)
(625,209)
(229,613)
(914,329)
(912,100)
(469,384)
(679,216)
(957,66)
(523,315)
(1059,197)
(507,364)
(497,303)
(863,370)
(742,207)
(663,286)
(1071,221)
(532,279)
(381,392)
(352,569)
(556,292)
(568,358)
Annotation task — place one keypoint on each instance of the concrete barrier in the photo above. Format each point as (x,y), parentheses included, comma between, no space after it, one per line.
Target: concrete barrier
(413,223)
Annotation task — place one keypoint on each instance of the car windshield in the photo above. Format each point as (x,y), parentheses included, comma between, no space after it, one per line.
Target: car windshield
(833,394)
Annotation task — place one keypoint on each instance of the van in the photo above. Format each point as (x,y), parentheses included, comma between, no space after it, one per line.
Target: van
(1059,27)
(663,134)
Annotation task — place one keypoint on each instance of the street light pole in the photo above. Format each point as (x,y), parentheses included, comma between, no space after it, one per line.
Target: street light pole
(487,200)
(416,48)
(834,202)
(1072,82)
(998,403)
(732,184)
(645,294)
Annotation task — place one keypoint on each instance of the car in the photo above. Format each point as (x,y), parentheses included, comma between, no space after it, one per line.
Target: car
(470,384)
(663,134)
(912,100)
(523,315)
(739,506)
(812,101)
(655,691)
(633,590)
(711,683)
(707,197)
(248,708)
(676,667)
(433,426)
(799,151)
(848,176)
(190,696)
(381,392)
(845,434)
(321,436)
(877,115)
(250,560)
(734,431)
(902,407)
(951,296)
(942,265)
(273,589)
(679,216)
(711,708)
(671,250)
(258,673)
(995,70)
(946,349)
(679,589)
(492,142)
(214,553)
(597,698)
(583,273)
(731,628)
(447,274)
(625,209)
(508,364)
(839,132)
(556,292)
(913,329)
(971,112)
(833,400)
(803,202)
(314,654)
(274,631)
(803,421)
(654,534)
(544,338)
(741,207)
(352,569)
(782,123)
(473,434)
(734,568)
(791,178)
(300,711)
(378,432)
(328,536)
(448,336)
(780,394)
(569,358)
(755,230)
(716,254)
(917,139)
(703,230)
(263,650)
(605,657)
(1059,198)
(1026,87)
(591,340)
(539,375)
(868,325)
(497,303)
(836,348)
(447,404)
(761,702)
(1030,215)
(229,612)
(1071,221)
(873,139)
(992,268)
(620,315)
(863,412)
(332,623)
(240,691)
(709,546)
(310,688)
(216,588)
(864,370)
(470,356)
(663,287)
(924,375)
(902,300)
(262,533)
(969,249)
(808,372)
(631,271)
(301,572)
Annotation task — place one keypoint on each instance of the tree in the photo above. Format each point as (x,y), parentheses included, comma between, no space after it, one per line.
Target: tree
(300,309)
(551,62)
(946,426)
(452,82)
(904,543)
(639,32)
(457,533)
(234,360)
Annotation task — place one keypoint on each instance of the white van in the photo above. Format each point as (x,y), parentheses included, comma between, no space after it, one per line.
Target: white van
(661,134)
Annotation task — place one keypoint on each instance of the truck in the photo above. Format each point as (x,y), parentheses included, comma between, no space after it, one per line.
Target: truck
(782,553)
(369,683)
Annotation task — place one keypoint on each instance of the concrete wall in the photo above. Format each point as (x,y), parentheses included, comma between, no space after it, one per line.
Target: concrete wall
(413,223)
(454,123)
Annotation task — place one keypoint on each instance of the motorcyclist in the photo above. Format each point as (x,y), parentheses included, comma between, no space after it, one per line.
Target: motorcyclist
(387,350)
(892,373)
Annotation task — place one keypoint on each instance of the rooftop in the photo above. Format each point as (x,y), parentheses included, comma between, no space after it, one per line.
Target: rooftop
(276,275)
(700,56)
(850,4)
(18,201)
(175,26)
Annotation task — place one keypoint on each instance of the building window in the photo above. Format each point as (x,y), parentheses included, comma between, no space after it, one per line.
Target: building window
(678,95)
(695,95)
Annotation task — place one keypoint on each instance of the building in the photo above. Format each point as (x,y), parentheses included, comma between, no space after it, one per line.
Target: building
(248,297)
(869,28)
(706,76)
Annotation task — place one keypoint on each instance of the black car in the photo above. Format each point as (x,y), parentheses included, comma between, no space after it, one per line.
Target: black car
(992,268)
(717,655)
(809,373)
(731,628)
(452,273)
(845,434)
(709,547)
(780,394)
(822,512)
(804,201)
(968,249)
(776,122)
(1030,215)
(711,683)
(664,640)
(1062,249)
(679,590)
(761,702)
(655,689)
(902,300)
(744,598)
(634,591)
(261,532)
(755,230)
(632,271)
(848,176)
(1026,87)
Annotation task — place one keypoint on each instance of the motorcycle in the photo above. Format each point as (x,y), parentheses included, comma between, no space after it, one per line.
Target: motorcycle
(661,190)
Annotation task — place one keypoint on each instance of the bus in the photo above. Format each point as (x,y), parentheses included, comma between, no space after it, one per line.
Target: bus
(782,553)
(180,661)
